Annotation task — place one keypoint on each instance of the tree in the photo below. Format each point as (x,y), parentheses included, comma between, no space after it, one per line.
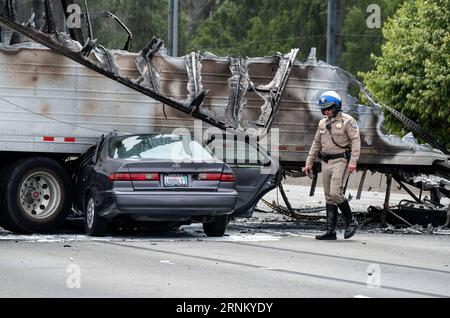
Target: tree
(263,27)
(198,11)
(358,38)
(223,31)
(144,18)
(413,73)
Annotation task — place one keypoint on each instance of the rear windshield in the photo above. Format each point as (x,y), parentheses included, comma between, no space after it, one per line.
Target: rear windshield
(158,147)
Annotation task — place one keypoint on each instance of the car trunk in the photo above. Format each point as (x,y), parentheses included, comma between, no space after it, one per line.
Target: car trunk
(170,176)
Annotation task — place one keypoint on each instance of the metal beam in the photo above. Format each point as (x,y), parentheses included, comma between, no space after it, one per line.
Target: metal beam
(361,185)
(387,199)
(174,10)
(331,32)
(404,187)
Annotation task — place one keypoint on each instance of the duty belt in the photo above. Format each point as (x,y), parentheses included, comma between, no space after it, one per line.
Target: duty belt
(326,157)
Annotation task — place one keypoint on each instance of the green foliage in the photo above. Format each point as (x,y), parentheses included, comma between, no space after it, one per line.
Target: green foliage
(222,31)
(358,39)
(255,28)
(143,18)
(413,73)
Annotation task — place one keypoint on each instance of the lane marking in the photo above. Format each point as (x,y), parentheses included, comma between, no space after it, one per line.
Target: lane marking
(278,249)
(278,270)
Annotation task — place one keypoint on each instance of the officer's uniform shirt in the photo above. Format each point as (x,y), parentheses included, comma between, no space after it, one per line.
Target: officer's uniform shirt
(345,132)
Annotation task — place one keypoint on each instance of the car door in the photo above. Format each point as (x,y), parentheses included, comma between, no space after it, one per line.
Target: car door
(82,179)
(256,173)
(86,175)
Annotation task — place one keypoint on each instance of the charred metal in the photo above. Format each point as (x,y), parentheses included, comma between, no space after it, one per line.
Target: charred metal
(99,59)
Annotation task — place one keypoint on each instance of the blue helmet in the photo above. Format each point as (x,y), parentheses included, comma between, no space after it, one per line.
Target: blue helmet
(330,99)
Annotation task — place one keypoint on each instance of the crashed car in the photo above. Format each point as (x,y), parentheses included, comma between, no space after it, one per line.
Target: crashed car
(172,179)
(155,178)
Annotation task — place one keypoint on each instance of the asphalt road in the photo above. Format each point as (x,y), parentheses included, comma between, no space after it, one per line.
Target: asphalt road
(268,256)
(250,262)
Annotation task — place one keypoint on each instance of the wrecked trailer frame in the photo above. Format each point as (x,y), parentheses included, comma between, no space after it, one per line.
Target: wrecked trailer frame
(271,93)
(220,91)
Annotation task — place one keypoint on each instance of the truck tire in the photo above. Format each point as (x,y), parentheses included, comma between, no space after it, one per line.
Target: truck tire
(5,221)
(37,195)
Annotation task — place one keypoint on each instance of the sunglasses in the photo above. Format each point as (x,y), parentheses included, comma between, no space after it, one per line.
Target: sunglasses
(327,109)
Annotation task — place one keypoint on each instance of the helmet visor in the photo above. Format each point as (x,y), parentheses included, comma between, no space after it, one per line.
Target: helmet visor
(325,109)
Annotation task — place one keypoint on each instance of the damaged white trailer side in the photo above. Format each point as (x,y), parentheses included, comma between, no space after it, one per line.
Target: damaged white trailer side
(57,97)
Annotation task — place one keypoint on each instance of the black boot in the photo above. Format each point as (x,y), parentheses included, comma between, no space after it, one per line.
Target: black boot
(350,221)
(330,234)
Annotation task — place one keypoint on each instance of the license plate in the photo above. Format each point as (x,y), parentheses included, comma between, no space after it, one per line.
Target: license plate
(176,181)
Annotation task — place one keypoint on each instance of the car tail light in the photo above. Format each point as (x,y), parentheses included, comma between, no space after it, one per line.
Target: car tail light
(227,177)
(120,177)
(134,177)
(209,176)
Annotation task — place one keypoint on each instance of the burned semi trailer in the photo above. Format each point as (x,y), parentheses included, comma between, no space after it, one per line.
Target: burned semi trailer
(60,90)
(60,93)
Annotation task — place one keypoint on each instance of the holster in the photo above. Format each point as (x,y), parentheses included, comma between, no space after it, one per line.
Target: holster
(323,156)
(327,157)
(348,154)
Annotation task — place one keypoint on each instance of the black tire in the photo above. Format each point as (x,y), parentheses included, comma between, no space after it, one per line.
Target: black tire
(217,227)
(37,195)
(94,224)
(5,221)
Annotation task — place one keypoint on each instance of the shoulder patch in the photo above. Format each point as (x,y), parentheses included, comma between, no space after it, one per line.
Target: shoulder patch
(354,124)
(322,123)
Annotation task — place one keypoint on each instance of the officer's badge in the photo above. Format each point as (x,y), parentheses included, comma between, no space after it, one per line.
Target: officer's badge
(338,126)
(354,125)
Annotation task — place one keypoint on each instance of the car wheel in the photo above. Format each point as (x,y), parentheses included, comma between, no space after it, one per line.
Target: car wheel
(94,224)
(38,196)
(217,227)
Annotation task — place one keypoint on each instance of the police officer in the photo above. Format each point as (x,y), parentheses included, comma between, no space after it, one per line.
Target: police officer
(337,143)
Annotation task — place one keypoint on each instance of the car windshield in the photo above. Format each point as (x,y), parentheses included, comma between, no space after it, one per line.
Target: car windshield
(158,147)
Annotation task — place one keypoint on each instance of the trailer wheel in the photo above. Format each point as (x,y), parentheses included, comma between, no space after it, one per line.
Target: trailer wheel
(38,195)
(5,221)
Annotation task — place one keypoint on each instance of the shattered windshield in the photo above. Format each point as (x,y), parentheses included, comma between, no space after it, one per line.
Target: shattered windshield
(158,147)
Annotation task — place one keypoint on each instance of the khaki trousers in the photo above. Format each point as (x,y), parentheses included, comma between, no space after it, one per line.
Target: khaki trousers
(333,175)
